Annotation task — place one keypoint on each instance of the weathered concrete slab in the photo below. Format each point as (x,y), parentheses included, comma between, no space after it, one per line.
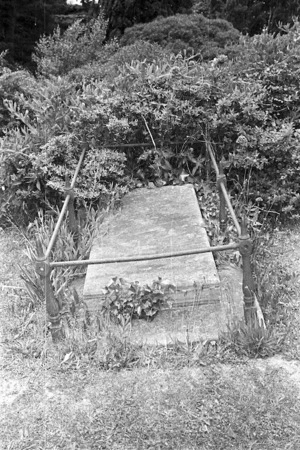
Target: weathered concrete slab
(151,222)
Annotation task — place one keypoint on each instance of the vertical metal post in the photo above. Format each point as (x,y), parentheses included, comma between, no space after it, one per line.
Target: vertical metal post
(73,225)
(44,270)
(245,249)
(221,178)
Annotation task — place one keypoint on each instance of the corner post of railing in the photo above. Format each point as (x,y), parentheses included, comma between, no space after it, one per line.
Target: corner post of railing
(245,249)
(72,221)
(43,268)
(221,179)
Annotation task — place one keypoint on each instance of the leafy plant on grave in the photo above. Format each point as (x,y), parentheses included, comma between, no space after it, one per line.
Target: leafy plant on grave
(124,301)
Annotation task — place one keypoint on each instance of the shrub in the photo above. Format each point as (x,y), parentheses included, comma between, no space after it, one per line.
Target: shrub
(110,68)
(54,118)
(123,14)
(12,84)
(159,99)
(59,115)
(60,52)
(275,61)
(258,114)
(192,33)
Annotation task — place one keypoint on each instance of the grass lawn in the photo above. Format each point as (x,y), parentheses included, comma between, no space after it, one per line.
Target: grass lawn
(166,398)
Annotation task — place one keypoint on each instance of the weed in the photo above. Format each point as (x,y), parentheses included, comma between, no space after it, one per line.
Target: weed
(92,340)
(252,340)
(66,248)
(272,280)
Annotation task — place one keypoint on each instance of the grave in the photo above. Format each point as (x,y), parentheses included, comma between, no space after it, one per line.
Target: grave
(159,221)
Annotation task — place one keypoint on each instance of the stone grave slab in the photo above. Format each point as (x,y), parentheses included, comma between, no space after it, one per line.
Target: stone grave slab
(195,323)
(152,222)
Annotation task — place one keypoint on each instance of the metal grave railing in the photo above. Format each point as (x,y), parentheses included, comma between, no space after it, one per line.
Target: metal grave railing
(44,265)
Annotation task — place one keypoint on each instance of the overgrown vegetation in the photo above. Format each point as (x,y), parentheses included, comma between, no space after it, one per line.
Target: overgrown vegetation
(193,34)
(246,106)
(250,17)
(66,248)
(104,338)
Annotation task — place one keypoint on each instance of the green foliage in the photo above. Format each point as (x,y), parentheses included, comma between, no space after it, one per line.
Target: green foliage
(250,17)
(101,168)
(122,14)
(91,340)
(274,60)
(3,62)
(246,105)
(66,248)
(33,175)
(57,116)
(276,284)
(59,53)
(22,22)
(259,115)
(124,301)
(191,33)
(12,84)
(253,340)
(269,14)
(108,68)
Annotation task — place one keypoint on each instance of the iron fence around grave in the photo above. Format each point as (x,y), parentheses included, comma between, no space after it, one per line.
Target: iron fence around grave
(244,244)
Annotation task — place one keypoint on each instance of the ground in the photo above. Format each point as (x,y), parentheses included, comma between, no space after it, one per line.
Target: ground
(167,403)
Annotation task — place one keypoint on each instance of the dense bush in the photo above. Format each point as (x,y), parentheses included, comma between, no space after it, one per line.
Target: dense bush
(123,14)
(247,106)
(185,32)
(59,53)
(53,122)
(266,140)
(250,16)
(12,82)
(110,66)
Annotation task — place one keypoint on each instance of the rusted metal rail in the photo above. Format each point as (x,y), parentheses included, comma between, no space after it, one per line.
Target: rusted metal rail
(69,191)
(82,262)
(43,266)
(244,244)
